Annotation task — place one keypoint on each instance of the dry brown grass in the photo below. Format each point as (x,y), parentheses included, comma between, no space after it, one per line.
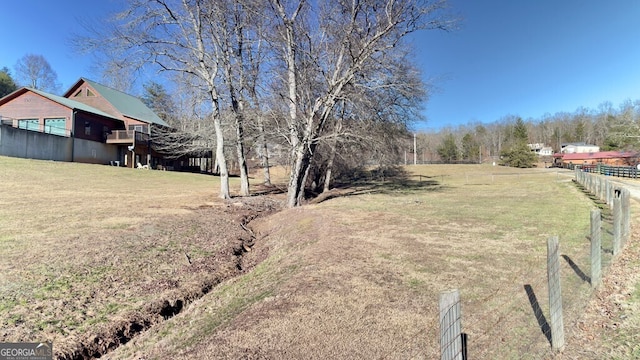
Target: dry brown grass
(358,276)
(85,247)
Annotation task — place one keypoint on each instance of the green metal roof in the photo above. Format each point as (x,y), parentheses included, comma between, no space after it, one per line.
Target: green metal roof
(129,106)
(72,104)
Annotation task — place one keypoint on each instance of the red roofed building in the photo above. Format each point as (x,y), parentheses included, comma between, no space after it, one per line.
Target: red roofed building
(614,158)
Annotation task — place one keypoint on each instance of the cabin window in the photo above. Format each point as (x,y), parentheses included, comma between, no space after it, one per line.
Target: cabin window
(138,128)
(87,128)
(90,93)
(56,126)
(29,124)
(105,132)
(78,93)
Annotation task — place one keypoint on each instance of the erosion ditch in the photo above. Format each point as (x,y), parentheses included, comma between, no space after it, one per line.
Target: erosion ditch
(106,339)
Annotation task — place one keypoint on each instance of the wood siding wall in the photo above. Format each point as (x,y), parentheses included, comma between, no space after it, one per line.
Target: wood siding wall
(95,101)
(99,127)
(34,106)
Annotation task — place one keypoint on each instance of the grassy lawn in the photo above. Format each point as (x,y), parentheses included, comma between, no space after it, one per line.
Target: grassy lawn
(358,276)
(46,198)
(85,247)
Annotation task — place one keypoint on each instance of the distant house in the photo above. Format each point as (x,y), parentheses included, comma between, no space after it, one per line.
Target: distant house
(546,151)
(541,149)
(615,158)
(580,147)
(91,123)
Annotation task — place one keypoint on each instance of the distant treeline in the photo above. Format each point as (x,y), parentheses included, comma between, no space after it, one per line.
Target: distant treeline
(611,128)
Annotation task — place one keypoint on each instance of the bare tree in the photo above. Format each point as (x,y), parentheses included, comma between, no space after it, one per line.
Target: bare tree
(191,132)
(34,71)
(324,53)
(178,37)
(118,74)
(216,42)
(624,127)
(601,123)
(388,92)
(254,58)
(238,38)
(345,39)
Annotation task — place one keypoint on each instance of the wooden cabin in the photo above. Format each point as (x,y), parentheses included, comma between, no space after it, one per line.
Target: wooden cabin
(89,123)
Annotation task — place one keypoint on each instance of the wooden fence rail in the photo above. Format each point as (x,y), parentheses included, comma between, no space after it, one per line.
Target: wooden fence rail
(608,170)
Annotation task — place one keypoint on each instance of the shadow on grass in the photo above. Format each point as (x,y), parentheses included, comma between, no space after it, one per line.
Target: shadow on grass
(386,181)
(576,269)
(537,312)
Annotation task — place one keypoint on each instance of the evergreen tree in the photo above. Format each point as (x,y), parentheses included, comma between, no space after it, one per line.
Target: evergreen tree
(157,99)
(518,154)
(520,133)
(470,148)
(7,85)
(448,150)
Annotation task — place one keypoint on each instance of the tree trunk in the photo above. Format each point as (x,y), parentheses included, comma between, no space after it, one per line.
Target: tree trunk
(237,106)
(242,161)
(298,168)
(333,150)
(237,100)
(327,175)
(263,151)
(305,176)
(220,159)
(298,156)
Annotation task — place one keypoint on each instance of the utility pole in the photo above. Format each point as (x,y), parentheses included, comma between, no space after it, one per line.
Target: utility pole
(415,150)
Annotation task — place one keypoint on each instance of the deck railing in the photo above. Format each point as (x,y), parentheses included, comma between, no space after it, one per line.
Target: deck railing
(128,135)
(48,129)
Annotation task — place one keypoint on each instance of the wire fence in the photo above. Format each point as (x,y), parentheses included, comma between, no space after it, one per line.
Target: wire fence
(450,326)
(535,320)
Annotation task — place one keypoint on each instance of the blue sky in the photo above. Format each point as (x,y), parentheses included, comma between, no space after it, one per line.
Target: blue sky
(528,58)
(508,57)
(46,27)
